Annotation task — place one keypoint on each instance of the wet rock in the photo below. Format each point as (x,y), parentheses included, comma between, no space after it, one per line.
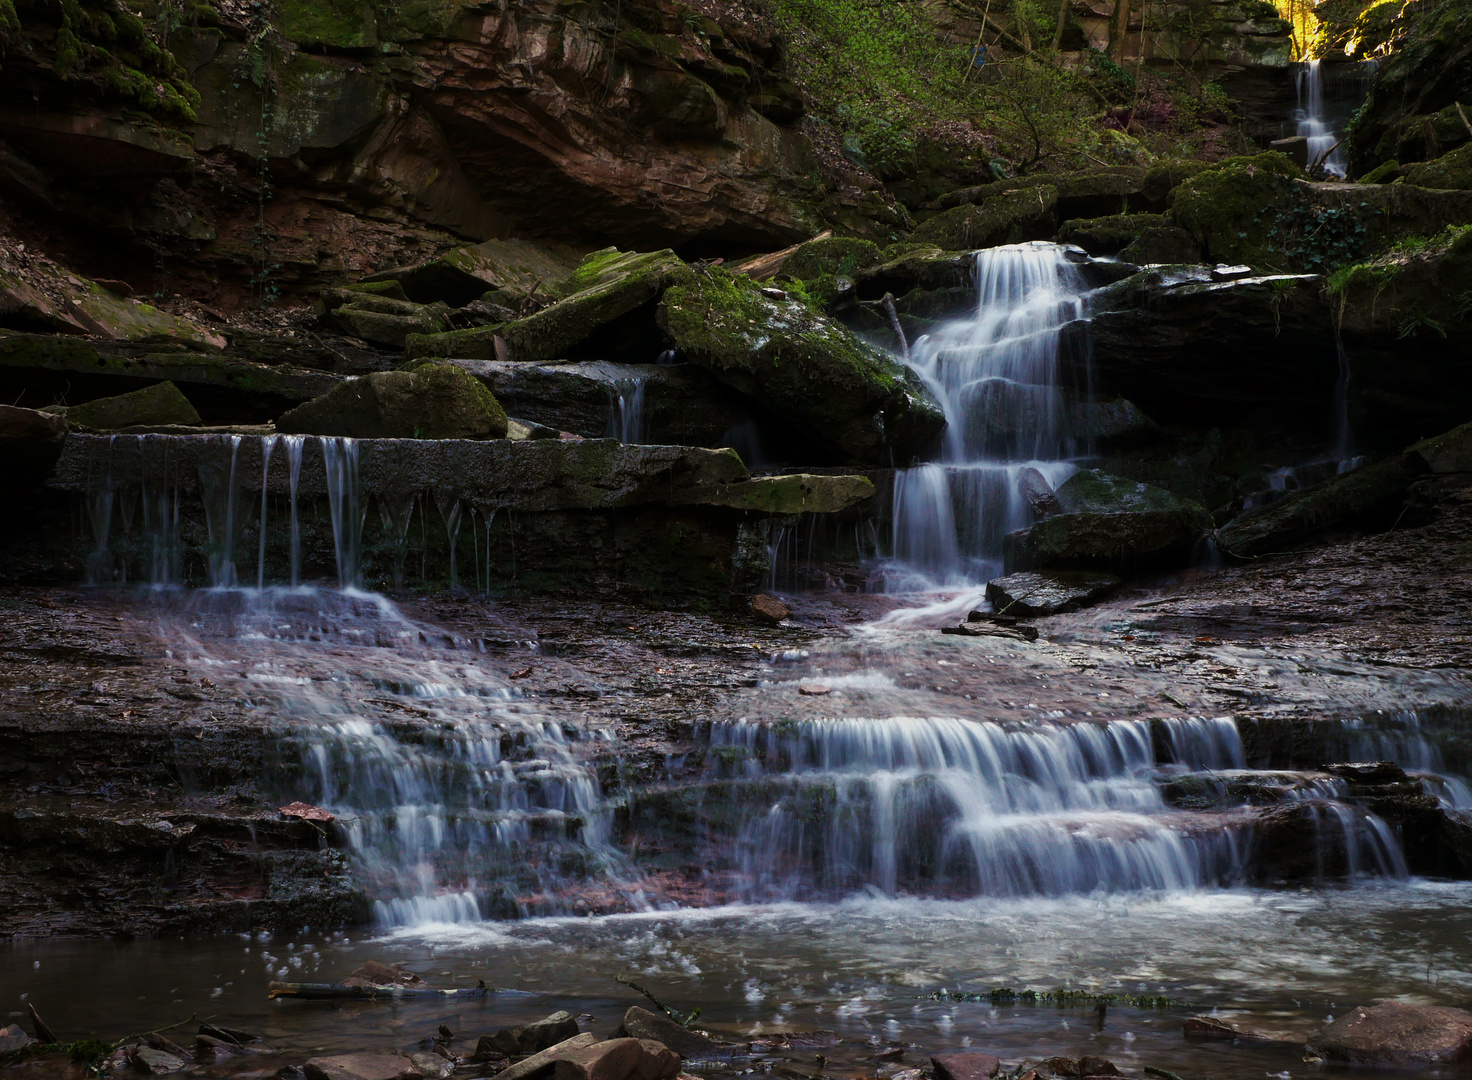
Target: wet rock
(1096,1066)
(543,1063)
(435,401)
(1366,498)
(147,1060)
(1396,1034)
(1048,593)
(531,474)
(157,405)
(1109,523)
(374,973)
(815,689)
(1368,772)
(795,493)
(974,1066)
(904,268)
(690,1045)
(306,812)
(30,443)
(431,1065)
(619,1059)
(1162,244)
(682,405)
(769,608)
(1039,494)
(538,1036)
(1118,423)
(1007,218)
(803,365)
(13,1038)
(515,268)
(366,1066)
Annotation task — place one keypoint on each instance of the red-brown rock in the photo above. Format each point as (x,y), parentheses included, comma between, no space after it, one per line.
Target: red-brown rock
(1396,1034)
(965,1066)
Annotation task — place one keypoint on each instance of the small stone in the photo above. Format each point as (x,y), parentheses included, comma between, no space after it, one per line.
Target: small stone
(1096,1066)
(814,689)
(769,608)
(1396,1034)
(1230,273)
(965,1066)
(153,1062)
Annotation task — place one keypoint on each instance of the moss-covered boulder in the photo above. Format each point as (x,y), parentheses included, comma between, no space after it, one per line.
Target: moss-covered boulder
(154,406)
(836,256)
(1406,323)
(1451,170)
(1369,497)
(48,295)
(1229,210)
(1107,235)
(607,286)
(382,320)
(435,401)
(1110,523)
(802,365)
(1009,218)
(511,268)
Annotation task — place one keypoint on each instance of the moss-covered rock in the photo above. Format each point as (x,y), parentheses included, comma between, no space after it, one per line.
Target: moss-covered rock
(803,365)
(1107,235)
(796,493)
(1110,523)
(383,320)
(1451,170)
(1229,209)
(156,405)
(435,401)
(1162,245)
(1009,218)
(516,267)
(836,256)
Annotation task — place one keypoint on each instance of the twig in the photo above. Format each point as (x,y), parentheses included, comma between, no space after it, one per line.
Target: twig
(682,1021)
(1465,122)
(1165,1074)
(894,322)
(1319,161)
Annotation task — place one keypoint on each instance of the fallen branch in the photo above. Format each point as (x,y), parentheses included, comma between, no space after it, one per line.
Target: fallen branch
(1164,1074)
(43,1033)
(1465,122)
(762,267)
(894,322)
(661,1006)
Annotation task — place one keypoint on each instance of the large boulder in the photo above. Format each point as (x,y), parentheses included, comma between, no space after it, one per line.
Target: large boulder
(1406,333)
(384,320)
(1396,1035)
(159,405)
(1109,523)
(803,365)
(509,268)
(1007,218)
(1050,592)
(435,401)
(30,443)
(1228,209)
(606,286)
(1451,170)
(642,1024)
(1189,349)
(618,1059)
(1367,498)
(1107,235)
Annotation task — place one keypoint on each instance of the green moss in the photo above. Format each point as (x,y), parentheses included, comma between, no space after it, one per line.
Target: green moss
(1382,173)
(342,24)
(836,255)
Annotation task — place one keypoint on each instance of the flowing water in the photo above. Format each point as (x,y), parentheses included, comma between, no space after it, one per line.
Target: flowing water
(1313,123)
(1007,379)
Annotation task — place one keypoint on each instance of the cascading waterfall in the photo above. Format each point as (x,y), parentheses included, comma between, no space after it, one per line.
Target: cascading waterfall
(1323,141)
(1003,376)
(626,420)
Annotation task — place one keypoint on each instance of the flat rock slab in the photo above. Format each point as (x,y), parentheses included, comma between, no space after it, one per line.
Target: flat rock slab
(361,1067)
(1050,592)
(965,1066)
(547,1060)
(1396,1034)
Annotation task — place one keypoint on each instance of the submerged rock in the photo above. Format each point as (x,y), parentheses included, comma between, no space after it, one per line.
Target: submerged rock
(1048,593)
(803,365)
(157,405)
(435,401)
(1396,1034)
(365,1066)
(13,1038)
(1109,523)
(974,1066)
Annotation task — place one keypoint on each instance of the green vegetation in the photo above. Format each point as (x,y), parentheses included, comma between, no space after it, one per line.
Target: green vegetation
(103,42)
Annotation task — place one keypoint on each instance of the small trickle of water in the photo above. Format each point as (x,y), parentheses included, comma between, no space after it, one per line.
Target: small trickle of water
(626,420)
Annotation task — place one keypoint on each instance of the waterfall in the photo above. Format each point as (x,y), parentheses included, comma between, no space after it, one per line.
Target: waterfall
(626,421)
(1313,123)
(1003,376)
